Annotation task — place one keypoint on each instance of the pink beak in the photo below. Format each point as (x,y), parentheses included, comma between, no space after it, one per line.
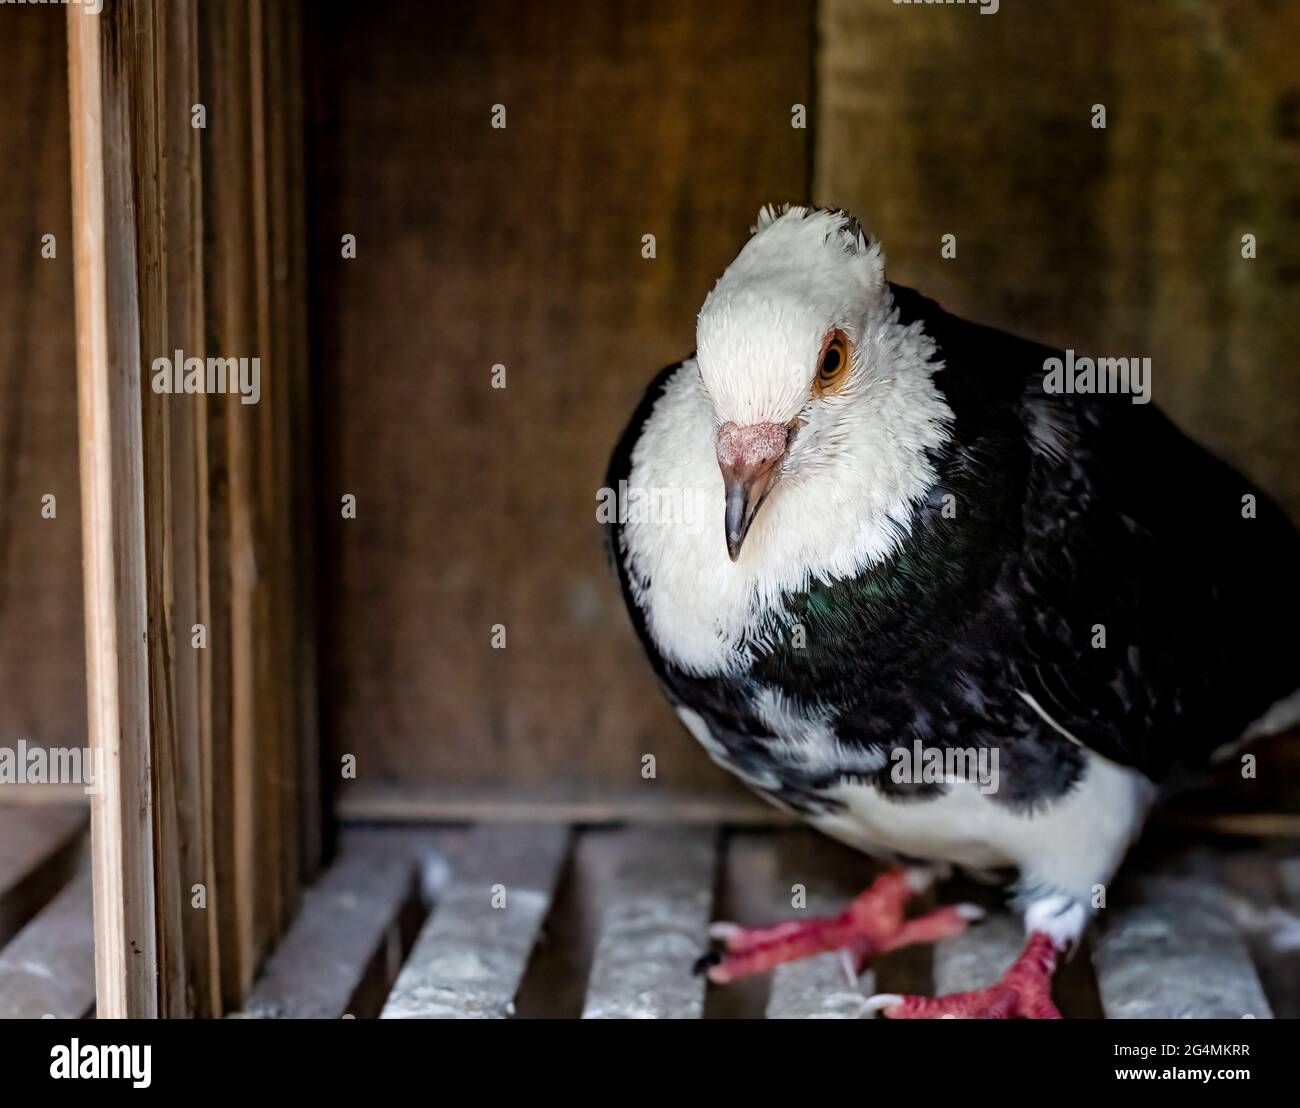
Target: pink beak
(748,457)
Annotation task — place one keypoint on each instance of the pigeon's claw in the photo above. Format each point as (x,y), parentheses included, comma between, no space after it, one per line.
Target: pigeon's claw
(869,926)
(1025,992)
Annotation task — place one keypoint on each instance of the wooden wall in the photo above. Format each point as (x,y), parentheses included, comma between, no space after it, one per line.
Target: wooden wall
(1119,241)
(522,246)
(188,219)
(42,649)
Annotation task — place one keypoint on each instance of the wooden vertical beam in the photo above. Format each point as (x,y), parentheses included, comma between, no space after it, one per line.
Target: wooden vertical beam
(283,192)
(311,807)
(144,44)
(268,587)
(189,516)
(186,242)
(109,405)
(231,330)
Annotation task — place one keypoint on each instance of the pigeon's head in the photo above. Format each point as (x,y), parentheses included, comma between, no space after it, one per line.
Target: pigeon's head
(782,346)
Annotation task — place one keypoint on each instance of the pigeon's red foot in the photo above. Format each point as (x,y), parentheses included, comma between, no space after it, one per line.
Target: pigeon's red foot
(1025,992)
(869,926)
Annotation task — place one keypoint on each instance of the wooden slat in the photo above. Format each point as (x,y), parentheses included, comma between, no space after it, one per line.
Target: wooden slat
(560,802)
(779,876)
(42,642)
(978,956)
(37,843)
(279,355)
(113,513)
(188,554)
(1257,881)
(487,216)
(230,320)
(472,953)
(655,925)
(265,495)
(345,920)
(1170,949)
(292,270)
(146,39)
(816,988)
(49,967)
(1288,871)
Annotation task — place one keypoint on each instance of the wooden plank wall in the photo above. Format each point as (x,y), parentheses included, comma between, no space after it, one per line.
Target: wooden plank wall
(519,247)
(522,247)
(42,648)
(1127,240)
(185,243)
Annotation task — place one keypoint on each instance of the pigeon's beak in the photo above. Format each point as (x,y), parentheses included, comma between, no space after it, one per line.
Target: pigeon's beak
(749,457)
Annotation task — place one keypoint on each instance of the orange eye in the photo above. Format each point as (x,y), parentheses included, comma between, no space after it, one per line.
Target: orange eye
(833,364)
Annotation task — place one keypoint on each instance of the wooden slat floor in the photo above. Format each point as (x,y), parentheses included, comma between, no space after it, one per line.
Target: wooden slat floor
(514,920)
(47,961)
(537,920)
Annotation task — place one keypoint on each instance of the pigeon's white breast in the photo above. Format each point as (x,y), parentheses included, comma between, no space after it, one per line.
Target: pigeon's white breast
(703,611)
(1070,845)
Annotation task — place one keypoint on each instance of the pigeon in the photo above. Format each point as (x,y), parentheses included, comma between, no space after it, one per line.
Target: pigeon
(913,584)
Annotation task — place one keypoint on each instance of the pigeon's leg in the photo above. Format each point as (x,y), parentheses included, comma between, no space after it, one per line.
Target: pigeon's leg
(1025,992)
(1053,923)
(871,925)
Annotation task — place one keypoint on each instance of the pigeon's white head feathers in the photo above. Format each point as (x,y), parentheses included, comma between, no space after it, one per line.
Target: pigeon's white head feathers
(805,274)
(803,478)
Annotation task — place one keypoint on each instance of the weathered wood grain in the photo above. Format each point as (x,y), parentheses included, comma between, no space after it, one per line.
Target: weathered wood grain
(558,802)
(189,551)
(815,988)
(42,641)
(182,236)
(345,920)
(230,321)
(142,53)
(472,953)
(1125,240)
(1169,948)
(1256,882)
(281,355)
(266,495)
(980,955)
(654,926)
(113,509)
(48,969)
(476,506)
(38,844)
(212,498)
(288,149)
(776,876)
